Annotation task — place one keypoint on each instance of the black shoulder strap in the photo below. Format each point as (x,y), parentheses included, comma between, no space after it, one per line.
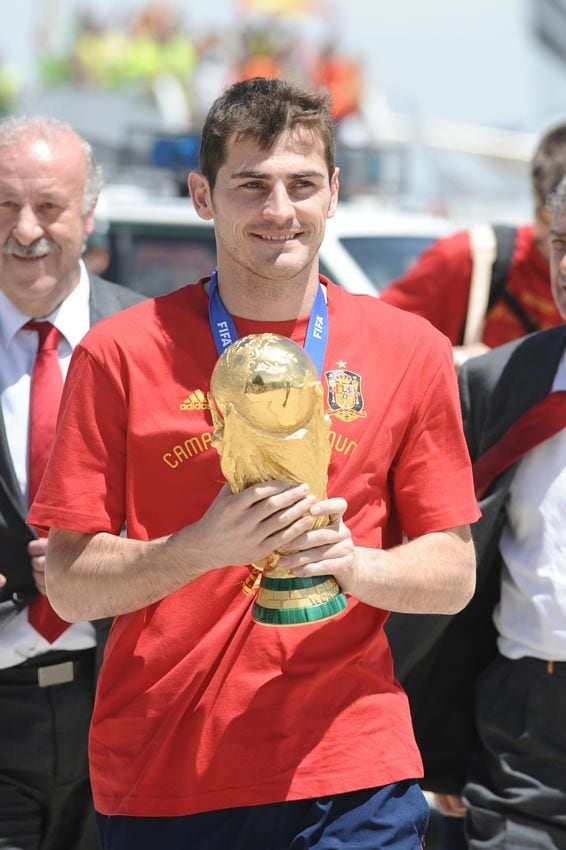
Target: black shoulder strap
(505,237)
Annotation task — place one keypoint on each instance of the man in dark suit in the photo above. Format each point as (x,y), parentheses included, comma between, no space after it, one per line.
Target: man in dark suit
(488,686)
(49,185)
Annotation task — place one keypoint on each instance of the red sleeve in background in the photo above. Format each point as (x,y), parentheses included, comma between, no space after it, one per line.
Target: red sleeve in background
(528,282)
(437,286)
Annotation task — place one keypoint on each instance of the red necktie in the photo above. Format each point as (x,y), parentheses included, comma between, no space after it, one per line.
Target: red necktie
(534,426)
(45,396)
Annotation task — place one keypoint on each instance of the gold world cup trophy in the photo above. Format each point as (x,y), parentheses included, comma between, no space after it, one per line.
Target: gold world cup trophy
(269,423)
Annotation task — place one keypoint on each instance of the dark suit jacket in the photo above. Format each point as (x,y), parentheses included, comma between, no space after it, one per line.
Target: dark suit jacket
(439,658)
(105,299)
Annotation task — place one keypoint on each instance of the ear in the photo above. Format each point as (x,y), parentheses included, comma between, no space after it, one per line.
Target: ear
(201,196)
(88,219)
(334,188)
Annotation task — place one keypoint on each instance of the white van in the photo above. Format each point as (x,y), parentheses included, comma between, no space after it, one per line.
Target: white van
(159,243)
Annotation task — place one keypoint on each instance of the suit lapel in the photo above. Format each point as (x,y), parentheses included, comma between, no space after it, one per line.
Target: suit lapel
(526,379)
(96,309)
(9,488)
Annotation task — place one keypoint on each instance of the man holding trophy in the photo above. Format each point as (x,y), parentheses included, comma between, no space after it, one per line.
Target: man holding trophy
(269,442)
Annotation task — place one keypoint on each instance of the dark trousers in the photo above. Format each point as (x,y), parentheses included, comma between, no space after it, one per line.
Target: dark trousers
(45,801)
(393,817)
(517,789)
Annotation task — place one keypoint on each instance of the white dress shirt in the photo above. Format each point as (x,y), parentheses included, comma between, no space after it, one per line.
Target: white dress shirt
(18,350)
(531,615)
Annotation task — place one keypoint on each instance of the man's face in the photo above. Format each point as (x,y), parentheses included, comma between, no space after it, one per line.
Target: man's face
(558,260)
(270,207)
(42,225)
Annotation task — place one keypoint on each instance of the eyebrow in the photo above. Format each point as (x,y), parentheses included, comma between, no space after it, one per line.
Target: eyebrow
(262,175)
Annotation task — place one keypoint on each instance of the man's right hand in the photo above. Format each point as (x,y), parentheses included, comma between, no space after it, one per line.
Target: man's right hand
(90,576)
(450,805)
(241,528)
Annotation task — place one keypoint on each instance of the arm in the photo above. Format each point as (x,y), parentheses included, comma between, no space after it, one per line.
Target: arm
(431,574)
(90,576)
(99,575)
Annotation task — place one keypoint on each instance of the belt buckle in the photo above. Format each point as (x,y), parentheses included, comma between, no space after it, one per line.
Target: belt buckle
(56,674)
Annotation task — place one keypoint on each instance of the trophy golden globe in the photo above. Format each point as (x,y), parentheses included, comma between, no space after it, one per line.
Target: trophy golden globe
(269,424)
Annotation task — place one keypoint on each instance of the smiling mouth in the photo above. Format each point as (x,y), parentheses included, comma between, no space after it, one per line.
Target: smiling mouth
(280,237)
(30,259)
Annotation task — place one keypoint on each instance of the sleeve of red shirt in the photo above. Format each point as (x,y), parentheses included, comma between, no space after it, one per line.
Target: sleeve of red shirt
(432,475)
(437,286)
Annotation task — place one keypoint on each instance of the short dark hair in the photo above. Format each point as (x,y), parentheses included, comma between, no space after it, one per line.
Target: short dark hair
(262,109)
(557,200)
(548,165)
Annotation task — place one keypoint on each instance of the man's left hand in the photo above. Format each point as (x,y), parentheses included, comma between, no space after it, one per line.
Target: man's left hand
(328,550)
(36,551)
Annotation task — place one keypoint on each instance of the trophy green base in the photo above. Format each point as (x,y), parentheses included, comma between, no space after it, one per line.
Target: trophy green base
(295,601)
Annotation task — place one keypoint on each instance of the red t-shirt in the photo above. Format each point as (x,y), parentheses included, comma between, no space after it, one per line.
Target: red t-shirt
(198,707)
(438,288)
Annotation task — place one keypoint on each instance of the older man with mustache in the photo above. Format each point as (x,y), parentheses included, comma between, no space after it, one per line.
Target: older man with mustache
(49,185)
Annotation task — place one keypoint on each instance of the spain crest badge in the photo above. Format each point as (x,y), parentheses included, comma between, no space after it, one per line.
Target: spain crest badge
(345,398)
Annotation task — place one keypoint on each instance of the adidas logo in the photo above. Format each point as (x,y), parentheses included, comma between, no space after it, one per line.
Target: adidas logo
(195,401)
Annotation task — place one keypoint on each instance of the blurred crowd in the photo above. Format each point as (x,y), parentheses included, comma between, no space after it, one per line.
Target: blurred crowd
(156,52)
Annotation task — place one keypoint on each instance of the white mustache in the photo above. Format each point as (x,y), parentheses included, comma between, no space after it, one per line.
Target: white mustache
(39,248)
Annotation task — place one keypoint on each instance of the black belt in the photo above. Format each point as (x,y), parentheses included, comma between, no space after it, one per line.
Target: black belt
(51,668)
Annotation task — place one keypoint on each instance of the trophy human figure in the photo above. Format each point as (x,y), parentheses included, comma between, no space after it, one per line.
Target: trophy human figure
(268,413)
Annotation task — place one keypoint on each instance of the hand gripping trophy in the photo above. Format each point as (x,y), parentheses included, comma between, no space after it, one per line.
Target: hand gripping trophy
(269,423)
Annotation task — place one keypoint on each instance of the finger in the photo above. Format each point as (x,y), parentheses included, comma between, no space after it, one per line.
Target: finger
(450,805)
(315,561)
(39,579)
(281,493)
(284,539)
(2,580)
(457,810)
(440,804)
(280,520)
(38,564)
(37,547)
(319,538)
(333,508)
(455,805)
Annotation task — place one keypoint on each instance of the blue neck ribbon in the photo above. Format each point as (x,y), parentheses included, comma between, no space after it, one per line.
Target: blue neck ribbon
(225,333)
